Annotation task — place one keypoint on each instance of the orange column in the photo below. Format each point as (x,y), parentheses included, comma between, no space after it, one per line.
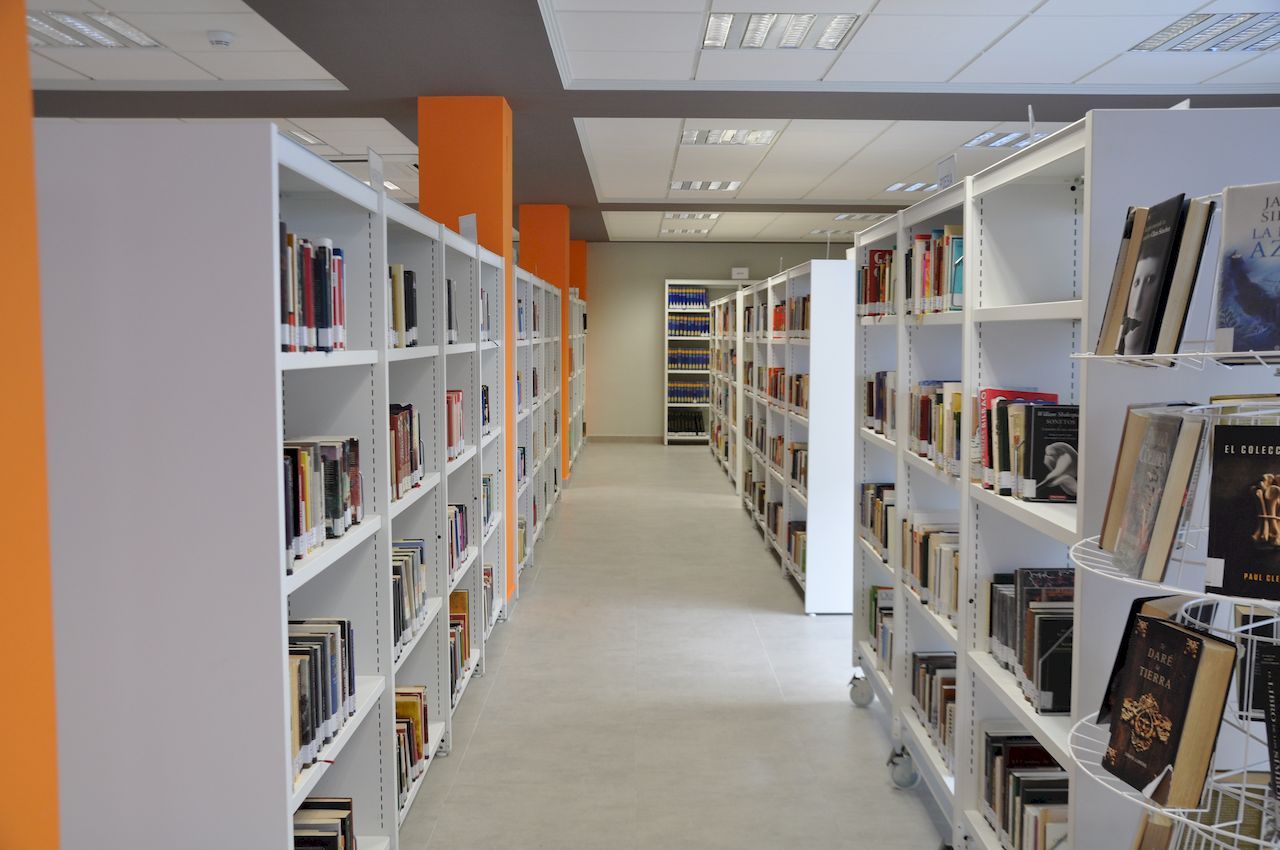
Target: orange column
(464,167)
(544,251)
(29,780)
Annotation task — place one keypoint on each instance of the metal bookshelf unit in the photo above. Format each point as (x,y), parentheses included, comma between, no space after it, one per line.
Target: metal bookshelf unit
(1042,229)
(206,413)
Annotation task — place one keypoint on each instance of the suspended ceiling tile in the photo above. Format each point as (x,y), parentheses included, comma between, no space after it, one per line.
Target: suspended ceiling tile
(717,162)
(764,65)
(64,5)
(123,6)
(1163,67)
(1128,7)
(794,226)
(142,65)
(969,7)
(632,225)
(321,126)
(806,153)
(358,142)
(631,64)
(259,65)
(46,69)
(819,6)
(1218,6)
(927,137)
(741,225)
(630,30)
(866,175)
(908,48)
(629,5)
(1263,69)
(1047,49)
(184,32)
(736,123)
(630,158)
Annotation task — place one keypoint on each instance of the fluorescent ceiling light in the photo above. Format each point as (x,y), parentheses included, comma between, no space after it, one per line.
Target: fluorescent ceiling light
(735,136)
(687,231)
(835,32)
(1175,29)
(52,33)
(689,137)
(1266,44)
(391,186)
(796,30)
(1006,139)
(696,216)
(978,140)
(1210,33)
(304,137)
(821,232)
(717,34)
(1030,140)
(932,187)
(705,185)
(758,26)
(895,187)
(914,187)
(123,28)
(71,22)
(862,216)
(1252,31)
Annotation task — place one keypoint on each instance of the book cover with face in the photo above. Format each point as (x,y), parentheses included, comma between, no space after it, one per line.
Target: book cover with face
(1150,277)
(1249,274)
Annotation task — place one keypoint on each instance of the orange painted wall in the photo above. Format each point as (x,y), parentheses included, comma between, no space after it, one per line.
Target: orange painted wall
(544,251)
(29,778)
(464,167)
(578,266)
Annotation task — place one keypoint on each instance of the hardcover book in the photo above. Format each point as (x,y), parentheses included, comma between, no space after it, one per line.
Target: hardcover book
(1126,260)
(1145,490)
(1051,456)
(1249,270)
(1244,503)
(1149,286)
(1171,692)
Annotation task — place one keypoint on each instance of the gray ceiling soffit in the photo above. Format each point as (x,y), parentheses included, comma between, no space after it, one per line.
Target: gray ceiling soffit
(674,206)
(390,52)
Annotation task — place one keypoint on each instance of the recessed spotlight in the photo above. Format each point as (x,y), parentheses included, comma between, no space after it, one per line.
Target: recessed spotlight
(835,32)
(305,138)
(391,187)
(123,28)
(52,33)
(895,187)
(1174,30)
(980,139)
(914,187)
(1006,139)
(694,216)
(1212,32)
(795,30)
(1249,33)
(717,34)
(81,27)
(758,26)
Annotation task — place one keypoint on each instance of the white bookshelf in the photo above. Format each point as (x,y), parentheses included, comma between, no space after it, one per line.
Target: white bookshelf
(726,386)
(182,333)
(577,405)
(539,427)
(1042,229)
(702,342)
(823,352)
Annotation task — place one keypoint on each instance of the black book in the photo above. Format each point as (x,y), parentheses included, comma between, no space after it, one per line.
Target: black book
(322,265)
(306,716)
(1052,452)
(1244,499)
(1149,287)
(1254,628)
(1053,635)
(411,306)
(1269,655)
(290,512)
(451,318)
(286,307)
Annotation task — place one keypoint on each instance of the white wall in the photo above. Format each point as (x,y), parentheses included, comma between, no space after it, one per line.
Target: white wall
(625,323)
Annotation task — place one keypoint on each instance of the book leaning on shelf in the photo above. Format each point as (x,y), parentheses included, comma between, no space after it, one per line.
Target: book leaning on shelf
(322,685)
(409,585)
(1024,791)
(323,493)
(402,307)
(313,294)
(325,823)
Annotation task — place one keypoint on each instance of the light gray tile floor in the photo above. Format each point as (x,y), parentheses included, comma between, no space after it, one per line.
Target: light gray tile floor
(659,688)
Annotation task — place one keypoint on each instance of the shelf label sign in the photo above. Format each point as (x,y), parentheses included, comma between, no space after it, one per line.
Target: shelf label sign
(947,172)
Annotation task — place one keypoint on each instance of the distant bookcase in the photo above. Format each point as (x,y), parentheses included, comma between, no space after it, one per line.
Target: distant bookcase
(1042,230)
(169,399)
(577,406)
(686,399)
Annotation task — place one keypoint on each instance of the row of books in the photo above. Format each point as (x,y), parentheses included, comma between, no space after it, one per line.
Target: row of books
(726,320)
(522,540)
(753,320)
(402,307)
(460,660)
(1032,632)
(798,464)
(322,685)
(408,450)
(313,294)
(880,625)
(535,383)
(878,519)
(459,535)
(455,435)
(725,360)
(876,283)
(688,358)
(797,538)
(934,410)
(486,417)
(1023,790)
(778,322)
(798,313)
(412,738)
(522,464)
(681,325)
(688,392)
(935,271)
(933,698)
(686,296)
(486,591)
(488,498)
(686,422)
(773,519)
(798,390)
(409,589)
(931,559)
(1028,445)
(879,403)
(759,497)
(777,447)
(323,492)
(325,823)
(775,382)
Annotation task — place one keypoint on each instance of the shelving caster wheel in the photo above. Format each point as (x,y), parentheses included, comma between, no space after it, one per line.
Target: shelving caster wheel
(860,692)
(902,769)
